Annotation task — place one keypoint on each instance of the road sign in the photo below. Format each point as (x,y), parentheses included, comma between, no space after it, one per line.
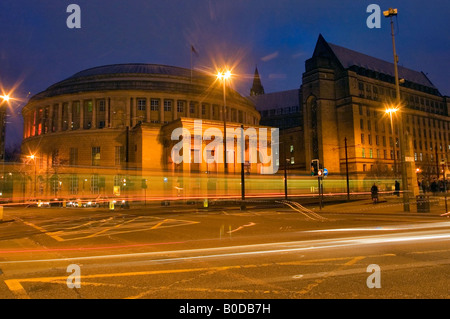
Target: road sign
(325,172)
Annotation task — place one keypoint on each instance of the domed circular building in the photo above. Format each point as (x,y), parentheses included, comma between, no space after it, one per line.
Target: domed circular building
(108,121)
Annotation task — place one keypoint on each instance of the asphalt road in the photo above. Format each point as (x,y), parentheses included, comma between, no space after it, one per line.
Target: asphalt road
(260,253)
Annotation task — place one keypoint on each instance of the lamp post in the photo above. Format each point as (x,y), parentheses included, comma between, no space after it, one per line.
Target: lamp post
(33,157)
(389,14)
(392,111)
(224,76)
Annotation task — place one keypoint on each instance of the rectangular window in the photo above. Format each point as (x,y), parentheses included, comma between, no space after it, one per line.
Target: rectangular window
(101,106)
(168,105)
(73,156)
(88,105)
(180,106)
(96,156)
(362,138)
(118,155)
(192,107)
(370,153)
(154,105)
(369,125)
(55,158)
(370,139)
(141,104)
(73,184)
(361,124)
(363,153)
(94,184)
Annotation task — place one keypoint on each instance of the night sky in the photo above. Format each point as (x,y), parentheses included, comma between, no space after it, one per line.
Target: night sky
(37,49)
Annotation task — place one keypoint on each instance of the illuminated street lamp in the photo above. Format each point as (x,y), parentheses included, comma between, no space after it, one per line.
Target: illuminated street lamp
(389,14)
(224,76)
(33,158)
(391,111)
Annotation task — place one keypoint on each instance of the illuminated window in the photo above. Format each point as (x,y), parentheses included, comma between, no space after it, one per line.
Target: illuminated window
(96,156)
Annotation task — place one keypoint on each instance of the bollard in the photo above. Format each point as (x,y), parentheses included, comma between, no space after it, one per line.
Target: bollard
(1,213)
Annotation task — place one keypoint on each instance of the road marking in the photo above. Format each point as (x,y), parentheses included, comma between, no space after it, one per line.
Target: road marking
(18,290)
(51,234)
(112,227)
(142,225)
(160,223)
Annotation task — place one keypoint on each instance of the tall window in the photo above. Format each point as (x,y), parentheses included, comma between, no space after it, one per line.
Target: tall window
(180,106)
(73,184)
(154,105)
(96,156)
(101,106)
(141,104)
(94,184)
(118,157)
(73,156)
(167,105)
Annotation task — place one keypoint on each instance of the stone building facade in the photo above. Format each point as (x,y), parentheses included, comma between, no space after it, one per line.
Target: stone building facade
(345,95)
(102,126)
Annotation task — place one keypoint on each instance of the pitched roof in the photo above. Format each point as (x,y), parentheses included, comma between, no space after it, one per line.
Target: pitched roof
(349,58)
(276,100)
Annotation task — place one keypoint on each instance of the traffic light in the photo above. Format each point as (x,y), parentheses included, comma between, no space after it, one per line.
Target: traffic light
(314,167)
(144,183)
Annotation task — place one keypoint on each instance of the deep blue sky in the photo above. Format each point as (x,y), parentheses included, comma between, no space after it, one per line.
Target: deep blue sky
(37,49)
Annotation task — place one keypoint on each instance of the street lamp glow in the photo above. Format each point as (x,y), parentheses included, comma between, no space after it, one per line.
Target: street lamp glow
(5,97)
(391,110)
(224,75)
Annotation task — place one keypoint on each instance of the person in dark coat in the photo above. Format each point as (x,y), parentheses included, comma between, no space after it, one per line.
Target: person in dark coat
(434,187)
(374,191)
(397,188)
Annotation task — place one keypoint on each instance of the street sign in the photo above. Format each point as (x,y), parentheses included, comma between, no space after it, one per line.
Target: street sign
(325,172)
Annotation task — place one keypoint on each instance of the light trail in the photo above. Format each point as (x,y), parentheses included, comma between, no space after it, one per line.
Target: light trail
(260,249)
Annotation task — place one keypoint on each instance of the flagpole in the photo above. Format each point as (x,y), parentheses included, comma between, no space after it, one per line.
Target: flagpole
(191,64)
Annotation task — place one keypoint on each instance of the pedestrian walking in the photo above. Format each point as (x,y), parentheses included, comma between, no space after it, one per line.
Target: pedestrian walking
(374,192)
(397,188)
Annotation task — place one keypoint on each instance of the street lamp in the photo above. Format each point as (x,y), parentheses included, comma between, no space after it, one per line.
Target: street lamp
(33,157)
(392,110)
(224,76)
(389,14)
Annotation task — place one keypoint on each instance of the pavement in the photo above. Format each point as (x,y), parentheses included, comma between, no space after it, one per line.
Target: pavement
(388,204)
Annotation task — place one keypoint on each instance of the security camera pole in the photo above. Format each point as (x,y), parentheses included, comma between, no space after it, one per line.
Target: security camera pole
(389,14)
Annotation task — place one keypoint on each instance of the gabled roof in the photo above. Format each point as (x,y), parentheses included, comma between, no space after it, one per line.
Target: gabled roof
(348,58)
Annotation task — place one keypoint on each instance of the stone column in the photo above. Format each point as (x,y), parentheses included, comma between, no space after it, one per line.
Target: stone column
(107,110)
(94,114)
(50,118)
(69,115)
(59,124)
(147,110)
(81,115)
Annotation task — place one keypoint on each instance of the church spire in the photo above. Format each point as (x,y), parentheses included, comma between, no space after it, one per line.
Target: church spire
(257,88)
